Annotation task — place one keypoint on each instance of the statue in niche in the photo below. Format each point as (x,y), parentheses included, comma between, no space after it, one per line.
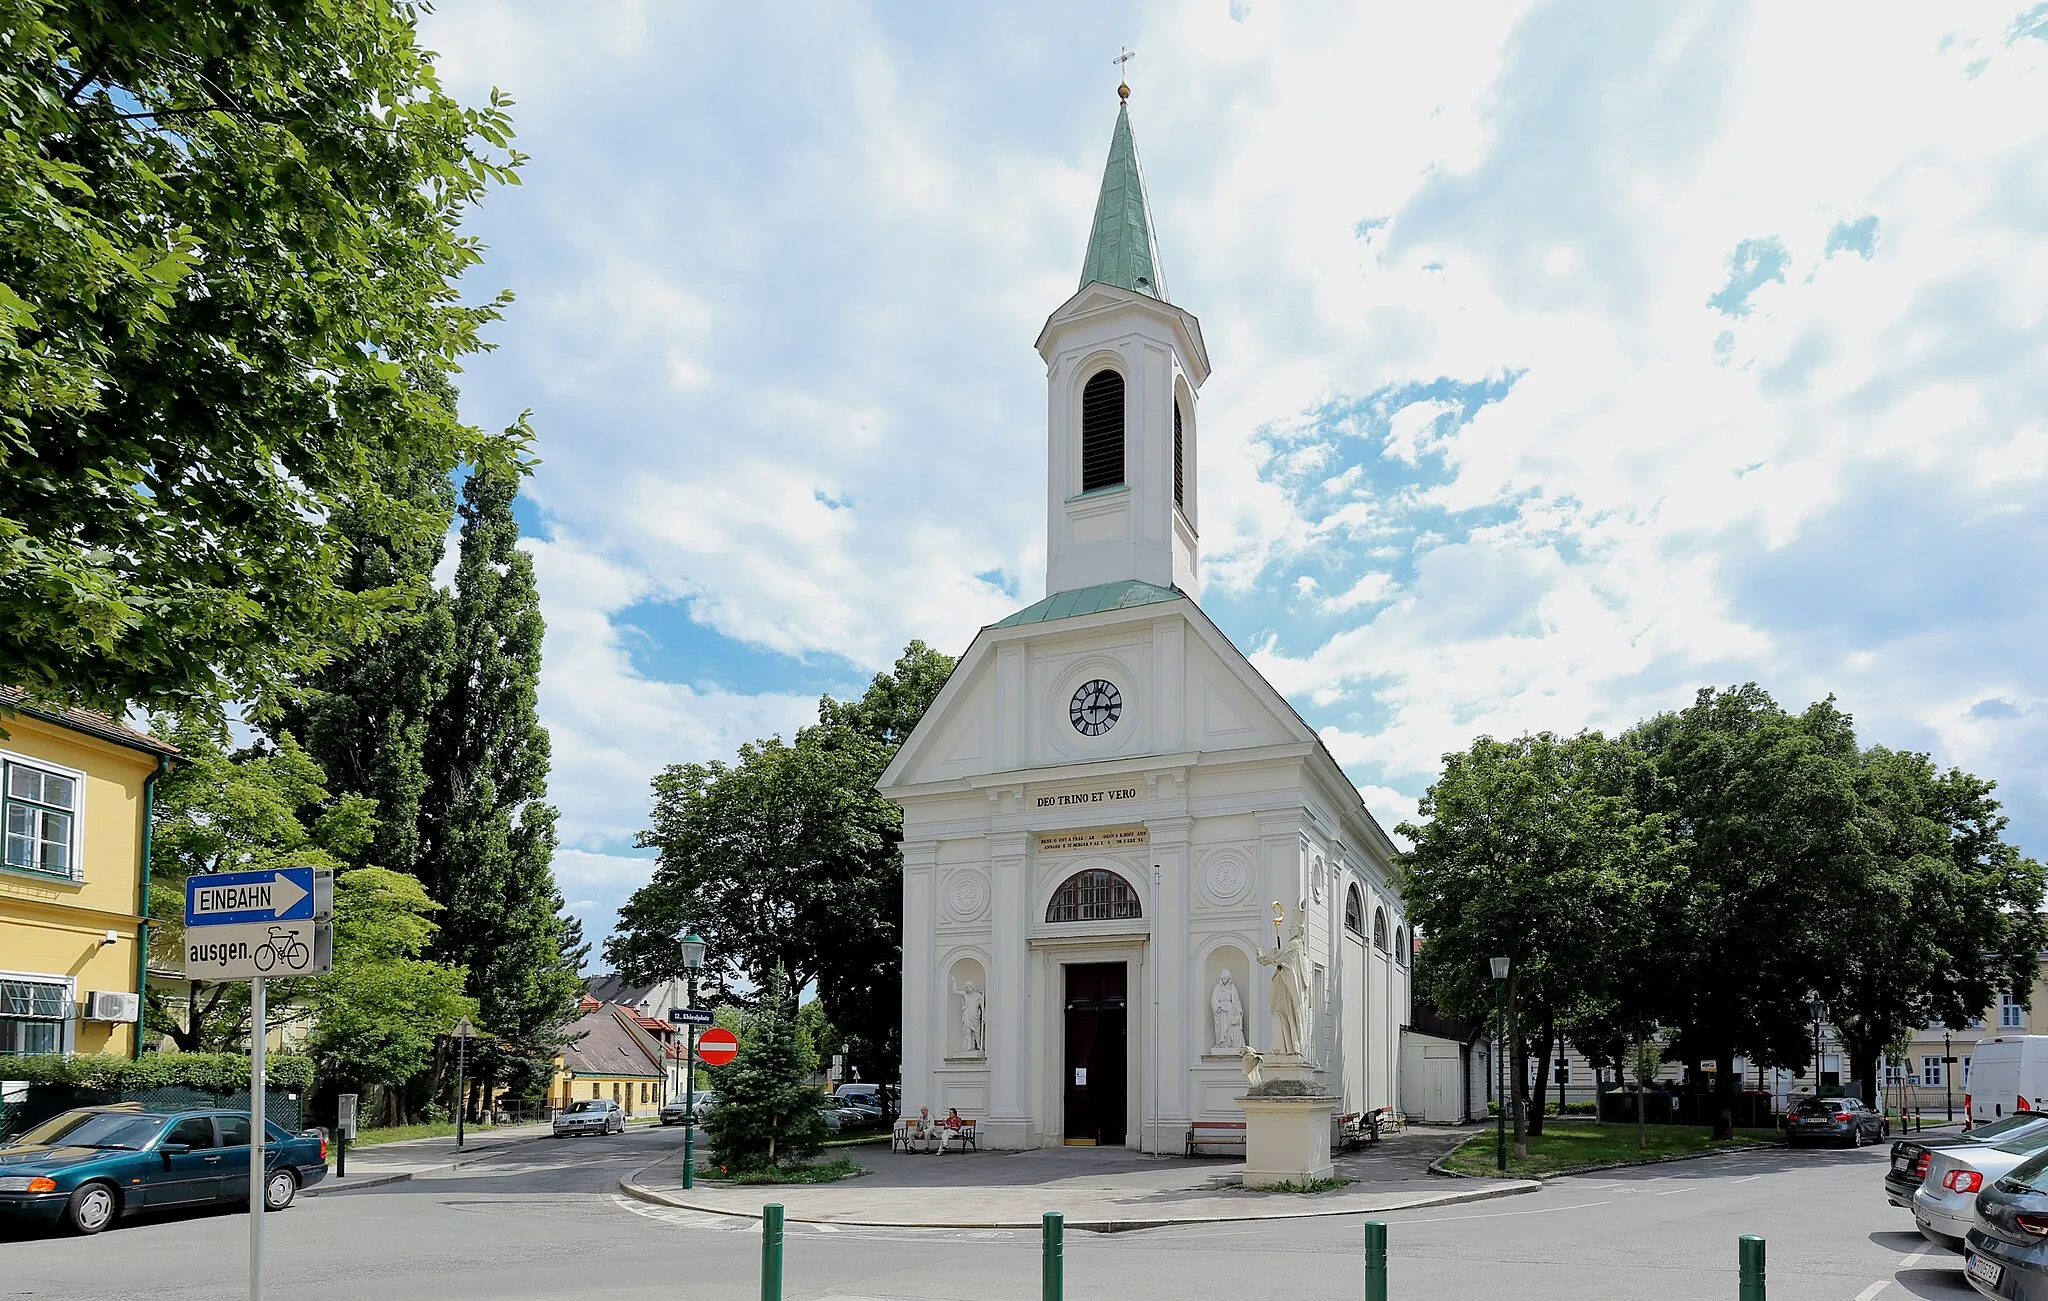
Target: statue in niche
(1287,997)
(970,1017)
(1226,1012)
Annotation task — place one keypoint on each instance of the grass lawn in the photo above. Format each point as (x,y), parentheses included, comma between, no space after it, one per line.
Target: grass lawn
(1569,1143)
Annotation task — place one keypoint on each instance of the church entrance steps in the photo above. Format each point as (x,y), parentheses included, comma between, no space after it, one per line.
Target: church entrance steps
(1103,1190)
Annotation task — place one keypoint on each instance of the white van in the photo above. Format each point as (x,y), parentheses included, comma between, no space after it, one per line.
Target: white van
(2008,1075)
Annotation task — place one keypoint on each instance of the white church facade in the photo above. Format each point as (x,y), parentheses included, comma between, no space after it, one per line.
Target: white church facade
(1106,801)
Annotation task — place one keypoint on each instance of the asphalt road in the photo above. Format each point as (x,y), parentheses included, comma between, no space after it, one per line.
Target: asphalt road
(544,1221)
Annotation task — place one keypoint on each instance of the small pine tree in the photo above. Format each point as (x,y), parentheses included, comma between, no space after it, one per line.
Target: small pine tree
(766,1115)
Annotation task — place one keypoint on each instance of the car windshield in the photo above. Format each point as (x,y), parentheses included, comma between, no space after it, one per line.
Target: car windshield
(2034,1140)
(108,1129)
(1824,1106)
(2000,1128)
(2027,1176)
(585,1105)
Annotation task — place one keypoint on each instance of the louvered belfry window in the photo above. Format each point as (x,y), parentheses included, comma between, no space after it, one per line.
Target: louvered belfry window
(1179,494)
(1102,432)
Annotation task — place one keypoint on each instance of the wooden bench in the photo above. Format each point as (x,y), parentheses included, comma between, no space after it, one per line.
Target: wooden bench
(905,1133)
(1215,1133)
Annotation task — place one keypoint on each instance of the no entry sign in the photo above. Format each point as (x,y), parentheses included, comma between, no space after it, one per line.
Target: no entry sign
(716,1047)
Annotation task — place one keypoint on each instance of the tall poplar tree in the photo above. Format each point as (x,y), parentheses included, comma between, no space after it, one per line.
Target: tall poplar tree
(487,834)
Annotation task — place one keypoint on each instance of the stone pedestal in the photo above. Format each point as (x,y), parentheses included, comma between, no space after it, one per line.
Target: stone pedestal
(1287,1131)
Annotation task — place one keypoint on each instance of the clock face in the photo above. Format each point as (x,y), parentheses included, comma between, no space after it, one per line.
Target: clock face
(1096,707)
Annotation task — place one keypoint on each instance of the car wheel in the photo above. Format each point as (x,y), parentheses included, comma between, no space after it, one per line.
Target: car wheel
(92,1208)
(279,1190)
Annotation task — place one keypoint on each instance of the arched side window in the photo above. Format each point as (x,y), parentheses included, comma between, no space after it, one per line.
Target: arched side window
(1400,946)
(1379,929)
(1102,431)
(1354,911)
(1180,497)
(1094,896)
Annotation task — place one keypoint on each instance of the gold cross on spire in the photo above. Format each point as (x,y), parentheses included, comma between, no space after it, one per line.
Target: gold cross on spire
(1123,88)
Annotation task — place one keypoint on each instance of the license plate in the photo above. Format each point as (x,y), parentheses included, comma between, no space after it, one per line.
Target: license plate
(1985,1271)
(1902,1164)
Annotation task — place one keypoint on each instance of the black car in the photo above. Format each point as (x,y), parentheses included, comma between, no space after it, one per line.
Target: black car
(1910,1159)
(1844,1121)
(2006,1253)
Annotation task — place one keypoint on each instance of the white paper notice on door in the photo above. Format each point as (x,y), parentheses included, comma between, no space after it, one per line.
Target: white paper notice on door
(1080,1077)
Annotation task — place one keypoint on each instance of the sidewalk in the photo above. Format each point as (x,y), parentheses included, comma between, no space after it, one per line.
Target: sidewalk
(390,1163)
(1099,1189)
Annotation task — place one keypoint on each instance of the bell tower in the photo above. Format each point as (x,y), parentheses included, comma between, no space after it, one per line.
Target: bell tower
(1123,367)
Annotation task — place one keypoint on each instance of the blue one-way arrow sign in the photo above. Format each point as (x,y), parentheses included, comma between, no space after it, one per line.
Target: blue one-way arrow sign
(277,894)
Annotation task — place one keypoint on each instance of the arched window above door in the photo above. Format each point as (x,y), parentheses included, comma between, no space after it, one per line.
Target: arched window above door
(1379,929)
(1354,911)
(1097,895)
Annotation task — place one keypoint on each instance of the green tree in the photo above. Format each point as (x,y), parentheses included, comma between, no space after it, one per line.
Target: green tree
(487,834)
(766,1115)
(788,859)
(364,715)
(1530,849)
(229,309)
(267,806)
(379,1012)
(1946,917)
(1763,807)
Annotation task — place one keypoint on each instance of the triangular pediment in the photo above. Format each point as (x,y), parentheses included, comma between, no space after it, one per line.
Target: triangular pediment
(1095,300)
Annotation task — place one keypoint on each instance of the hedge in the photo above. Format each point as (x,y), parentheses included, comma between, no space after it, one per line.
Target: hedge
(210,1072)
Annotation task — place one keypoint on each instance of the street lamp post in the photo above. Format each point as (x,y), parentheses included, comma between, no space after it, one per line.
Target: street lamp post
(462,1029)
(1948,1079)
(1500,1030)
(693,958)
(1820,1012)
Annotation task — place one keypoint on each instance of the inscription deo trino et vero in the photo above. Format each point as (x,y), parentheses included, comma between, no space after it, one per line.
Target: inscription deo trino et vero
(1088,797)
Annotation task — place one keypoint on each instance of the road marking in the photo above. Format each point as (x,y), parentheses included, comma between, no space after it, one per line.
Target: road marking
(1745,1179)
(1498,1215)
(1870,1292)
(825,1228)
(1671,1191)
(1917,1257)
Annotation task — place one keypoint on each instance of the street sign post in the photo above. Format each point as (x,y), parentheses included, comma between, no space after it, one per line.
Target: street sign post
(717,1046)
(251,926)
(690,1016)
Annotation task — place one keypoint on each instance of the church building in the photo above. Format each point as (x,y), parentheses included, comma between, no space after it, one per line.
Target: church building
(1109,815)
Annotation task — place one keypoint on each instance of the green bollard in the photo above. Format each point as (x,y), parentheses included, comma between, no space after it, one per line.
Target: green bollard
(1052,1278)
(1375,1260)
(771,1252)
(1752,1253)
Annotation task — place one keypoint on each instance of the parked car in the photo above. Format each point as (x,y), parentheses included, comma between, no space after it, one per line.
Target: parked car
(88,1167)
(869,1107)
(1847,1121)
(1945,1208)
(2005,1253)
(590,1116)
(672,1112)
(1911,1159)
(860,1094)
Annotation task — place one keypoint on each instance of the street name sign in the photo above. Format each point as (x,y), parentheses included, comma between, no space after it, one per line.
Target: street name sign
(278,894)
(717,1047)
(689,1016)
(258,949)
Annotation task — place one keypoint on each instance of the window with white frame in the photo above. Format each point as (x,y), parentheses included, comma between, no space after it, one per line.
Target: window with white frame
(2011,1016)
(1966,1072)
(41,818)
(1930,1071)
(35,1015)
(1894,1072)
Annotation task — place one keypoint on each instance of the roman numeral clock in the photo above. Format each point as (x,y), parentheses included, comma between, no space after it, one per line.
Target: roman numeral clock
(1095,707)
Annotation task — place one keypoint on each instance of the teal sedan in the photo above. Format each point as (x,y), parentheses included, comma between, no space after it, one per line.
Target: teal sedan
(85,1168)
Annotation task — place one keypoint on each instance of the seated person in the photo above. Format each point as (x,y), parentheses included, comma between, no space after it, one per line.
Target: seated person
(949,1128)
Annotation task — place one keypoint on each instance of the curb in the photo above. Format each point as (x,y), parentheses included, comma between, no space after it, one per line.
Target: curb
(1437,1167)
(324,1187)
(654,1196)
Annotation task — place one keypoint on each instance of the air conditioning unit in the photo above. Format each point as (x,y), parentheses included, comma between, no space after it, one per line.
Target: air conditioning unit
(112,1005)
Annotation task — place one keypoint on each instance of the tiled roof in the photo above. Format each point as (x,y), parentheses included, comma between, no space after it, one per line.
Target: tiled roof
(1120,595)
(610,987)
(82,720)
(609,1042)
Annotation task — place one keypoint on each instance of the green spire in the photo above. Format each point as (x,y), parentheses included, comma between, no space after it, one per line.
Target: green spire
(1121,250)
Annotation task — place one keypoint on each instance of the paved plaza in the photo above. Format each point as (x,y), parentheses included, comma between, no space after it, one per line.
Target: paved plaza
(546,1221)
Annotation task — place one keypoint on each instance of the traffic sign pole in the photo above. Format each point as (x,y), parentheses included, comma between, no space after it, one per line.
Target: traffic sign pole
(257,1033)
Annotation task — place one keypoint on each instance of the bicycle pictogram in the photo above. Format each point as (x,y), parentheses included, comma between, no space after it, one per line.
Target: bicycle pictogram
(283,946)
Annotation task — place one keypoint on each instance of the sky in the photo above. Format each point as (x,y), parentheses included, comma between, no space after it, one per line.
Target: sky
(1569,357)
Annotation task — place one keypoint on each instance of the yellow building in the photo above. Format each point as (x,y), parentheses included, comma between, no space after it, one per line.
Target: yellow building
(76,789)
(609,1054)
